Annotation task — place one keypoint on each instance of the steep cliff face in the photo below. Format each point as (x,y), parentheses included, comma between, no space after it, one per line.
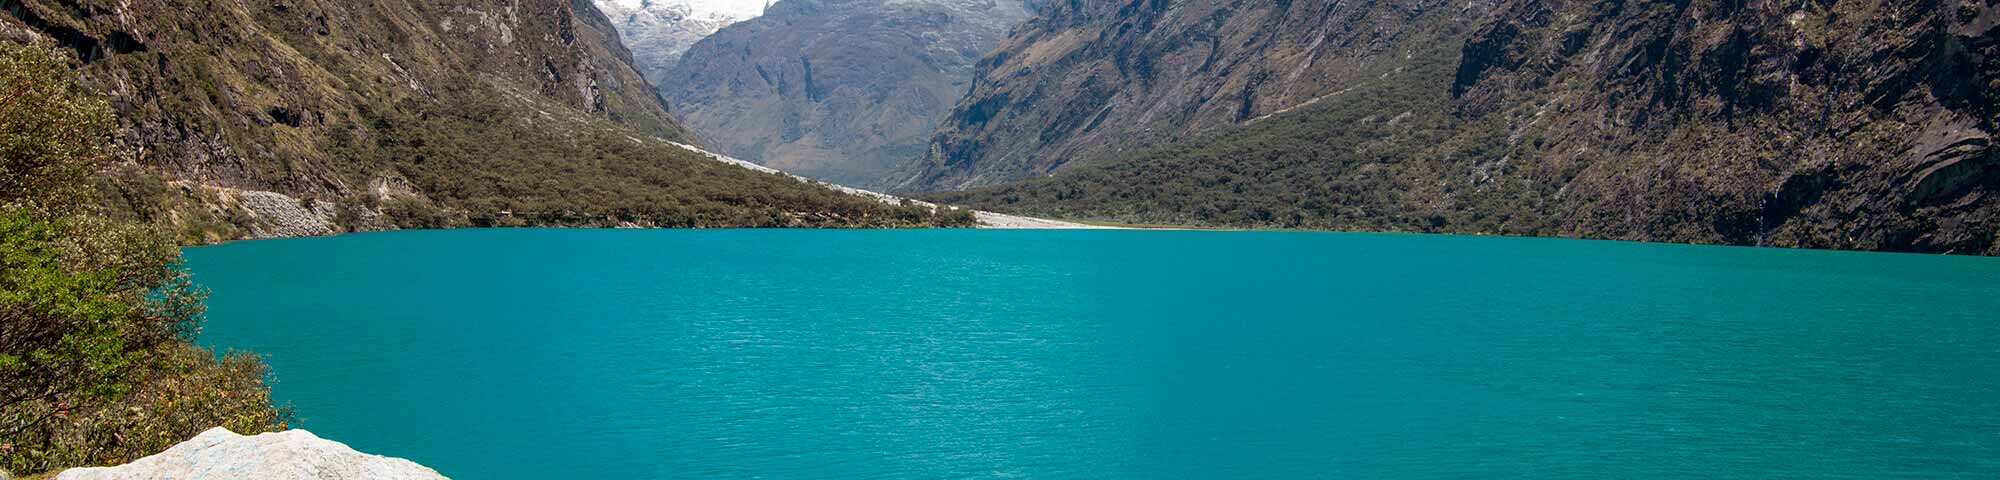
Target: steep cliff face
(1094,78)
(839,90)
(658,31)
(314,116)
(1862,124)
(1835,124)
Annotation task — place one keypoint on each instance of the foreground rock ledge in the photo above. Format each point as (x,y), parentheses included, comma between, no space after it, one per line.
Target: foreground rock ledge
(295,454)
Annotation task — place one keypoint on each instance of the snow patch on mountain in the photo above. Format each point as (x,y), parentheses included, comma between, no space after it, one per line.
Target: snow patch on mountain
(659,31)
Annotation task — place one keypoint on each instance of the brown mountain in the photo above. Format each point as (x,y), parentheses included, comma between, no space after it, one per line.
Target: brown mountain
(300,117)
(1094,78)
(1839,124)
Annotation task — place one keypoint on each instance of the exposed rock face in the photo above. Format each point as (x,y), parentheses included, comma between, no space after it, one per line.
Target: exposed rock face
(290,455)
(1093,78)
(1856,124)
(245,95)
(841,90)
(1861,124)
(282,216)
(658,31)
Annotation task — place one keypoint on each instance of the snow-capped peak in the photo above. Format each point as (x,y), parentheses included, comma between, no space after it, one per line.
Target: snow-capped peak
(731,10)
(658,31)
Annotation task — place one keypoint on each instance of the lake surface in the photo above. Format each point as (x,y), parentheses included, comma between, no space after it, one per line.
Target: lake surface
(535,354)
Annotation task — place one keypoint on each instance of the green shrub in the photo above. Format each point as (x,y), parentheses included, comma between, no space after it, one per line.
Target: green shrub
(97,318)
(486,155)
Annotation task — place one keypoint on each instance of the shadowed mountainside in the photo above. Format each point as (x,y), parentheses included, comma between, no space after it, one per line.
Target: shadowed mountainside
(1830,124)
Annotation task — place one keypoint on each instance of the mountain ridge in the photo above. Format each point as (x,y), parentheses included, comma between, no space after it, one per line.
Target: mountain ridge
(1094,78)
(1845,124)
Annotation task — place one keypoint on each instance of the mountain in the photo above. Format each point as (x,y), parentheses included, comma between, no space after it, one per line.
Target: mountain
(1093,78)
(1829,124)
(657,31)
(840,90)
(304,117)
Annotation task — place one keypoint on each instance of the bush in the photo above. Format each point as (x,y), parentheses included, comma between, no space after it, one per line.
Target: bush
(97,319)
(52,132)
(488,154)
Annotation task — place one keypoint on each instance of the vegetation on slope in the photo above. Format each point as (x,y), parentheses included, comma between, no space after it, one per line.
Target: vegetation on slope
(366,115)
(490,156)
(1092,79)
(1864,124)
(97,319)
(1341,164)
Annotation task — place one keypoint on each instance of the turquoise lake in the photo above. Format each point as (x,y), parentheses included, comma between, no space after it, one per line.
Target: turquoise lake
(537,354)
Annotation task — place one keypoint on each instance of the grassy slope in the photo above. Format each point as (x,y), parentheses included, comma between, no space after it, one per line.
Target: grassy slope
(1340,164)
(501,157)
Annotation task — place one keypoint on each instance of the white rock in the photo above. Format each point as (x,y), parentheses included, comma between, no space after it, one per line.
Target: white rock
(290,455)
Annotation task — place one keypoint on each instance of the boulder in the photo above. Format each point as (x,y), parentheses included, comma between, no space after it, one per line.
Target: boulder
(295,454)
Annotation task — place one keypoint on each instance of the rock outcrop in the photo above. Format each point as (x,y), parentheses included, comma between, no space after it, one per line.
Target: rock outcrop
(1848,124)
(219,454)
(840,90)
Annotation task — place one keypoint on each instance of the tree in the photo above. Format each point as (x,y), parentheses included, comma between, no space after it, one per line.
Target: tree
(53,131)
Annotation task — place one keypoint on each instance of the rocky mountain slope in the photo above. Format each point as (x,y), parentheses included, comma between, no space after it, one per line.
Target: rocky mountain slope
(839,90)
(658,31)
(1835,124)
(316,116)
(1094,78)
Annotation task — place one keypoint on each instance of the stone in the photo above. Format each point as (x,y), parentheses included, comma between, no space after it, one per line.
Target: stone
(294,454)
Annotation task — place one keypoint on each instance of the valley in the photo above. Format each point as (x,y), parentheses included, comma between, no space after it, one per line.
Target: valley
(1391,239)
(838,90)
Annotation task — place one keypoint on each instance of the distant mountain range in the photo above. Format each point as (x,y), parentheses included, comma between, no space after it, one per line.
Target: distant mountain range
(840,90)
